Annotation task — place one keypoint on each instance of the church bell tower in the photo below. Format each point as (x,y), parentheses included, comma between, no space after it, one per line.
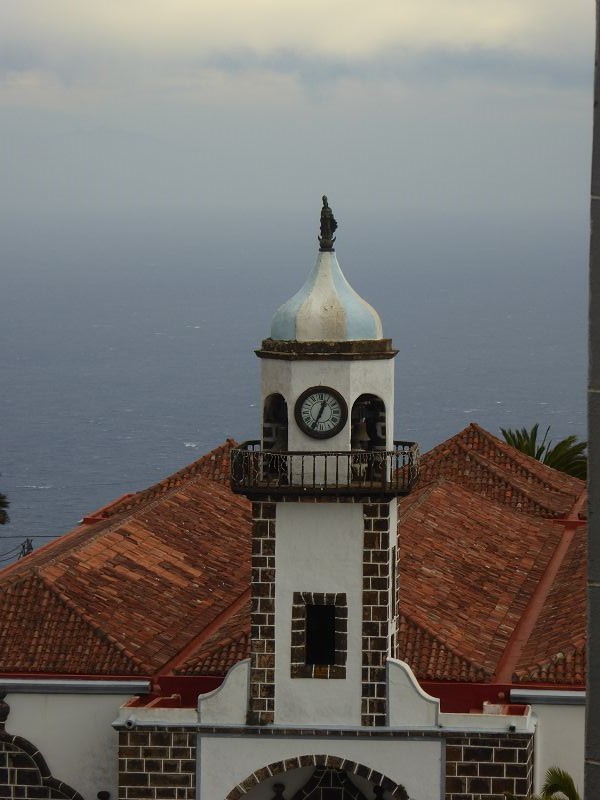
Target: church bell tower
(324,480)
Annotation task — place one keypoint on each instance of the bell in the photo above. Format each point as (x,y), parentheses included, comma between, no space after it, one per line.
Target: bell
(360,437)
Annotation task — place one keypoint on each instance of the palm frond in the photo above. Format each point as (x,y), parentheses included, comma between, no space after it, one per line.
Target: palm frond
(567,455)
(558,781)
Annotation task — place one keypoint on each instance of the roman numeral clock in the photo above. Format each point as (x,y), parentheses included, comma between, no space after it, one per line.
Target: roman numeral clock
(321,412)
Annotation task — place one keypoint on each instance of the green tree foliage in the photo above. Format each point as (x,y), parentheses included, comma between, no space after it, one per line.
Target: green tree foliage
(4,518)
(567,455)
(558,785)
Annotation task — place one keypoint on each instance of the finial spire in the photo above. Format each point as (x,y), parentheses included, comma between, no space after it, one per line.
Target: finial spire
(328,228)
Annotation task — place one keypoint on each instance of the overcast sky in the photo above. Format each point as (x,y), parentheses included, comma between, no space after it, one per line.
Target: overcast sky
(193,108)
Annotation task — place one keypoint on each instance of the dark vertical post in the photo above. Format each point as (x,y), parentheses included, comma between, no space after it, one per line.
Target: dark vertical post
(592,750)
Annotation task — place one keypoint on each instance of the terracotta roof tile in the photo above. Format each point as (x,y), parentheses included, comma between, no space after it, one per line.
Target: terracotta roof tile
(153,575)
(555,651)
(41,632)
(566,667)
(468,568)
(229,644)
(483,463)
(430,658)
(167,567)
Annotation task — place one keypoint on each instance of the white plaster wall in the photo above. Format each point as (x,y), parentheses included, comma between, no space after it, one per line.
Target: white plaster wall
(319,549)
(416,764)
(349,378)
(74,734)
(559,741)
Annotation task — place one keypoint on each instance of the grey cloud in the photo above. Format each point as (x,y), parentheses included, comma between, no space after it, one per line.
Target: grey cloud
(433,68)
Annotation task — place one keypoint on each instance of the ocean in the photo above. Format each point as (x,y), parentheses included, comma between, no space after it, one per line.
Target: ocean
(127,345)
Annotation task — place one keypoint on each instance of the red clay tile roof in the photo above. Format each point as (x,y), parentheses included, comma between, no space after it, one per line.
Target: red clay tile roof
(467,570)
(482,463)
(41,628)
(430,658)
(158,582)
(555,652)
(566,667)
(151,577)
(229,644)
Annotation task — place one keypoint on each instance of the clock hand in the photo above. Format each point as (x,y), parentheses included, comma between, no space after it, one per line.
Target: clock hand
(320,414)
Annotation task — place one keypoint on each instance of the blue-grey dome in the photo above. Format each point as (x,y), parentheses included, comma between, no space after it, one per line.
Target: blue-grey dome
(326,309)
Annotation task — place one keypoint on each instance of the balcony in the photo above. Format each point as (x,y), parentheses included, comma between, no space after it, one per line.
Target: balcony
(356,472)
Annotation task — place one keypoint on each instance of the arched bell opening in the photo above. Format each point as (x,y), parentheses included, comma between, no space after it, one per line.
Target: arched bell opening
(368,423)
(275,423)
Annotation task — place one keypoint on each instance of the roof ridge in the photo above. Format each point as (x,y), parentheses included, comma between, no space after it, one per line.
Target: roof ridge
(520,482)
(526,460)
(106,525)
(420,495)
(171,481)
(88,533)
(67,601)
(181,657)
(524,628)
(439,450)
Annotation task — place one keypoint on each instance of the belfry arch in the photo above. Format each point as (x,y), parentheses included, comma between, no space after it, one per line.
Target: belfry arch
(275,423)
(368,420)
(337,785)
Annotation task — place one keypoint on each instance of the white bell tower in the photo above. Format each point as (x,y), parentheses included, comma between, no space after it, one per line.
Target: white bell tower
(324,480)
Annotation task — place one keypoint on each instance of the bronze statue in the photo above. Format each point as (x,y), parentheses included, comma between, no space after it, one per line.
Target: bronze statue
(328,227)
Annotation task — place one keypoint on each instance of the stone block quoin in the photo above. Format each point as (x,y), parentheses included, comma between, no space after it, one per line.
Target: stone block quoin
(489,765)
(376,611)
(262,615)
(157,764)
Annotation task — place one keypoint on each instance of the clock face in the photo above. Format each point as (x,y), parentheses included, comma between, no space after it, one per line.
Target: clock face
(321,412)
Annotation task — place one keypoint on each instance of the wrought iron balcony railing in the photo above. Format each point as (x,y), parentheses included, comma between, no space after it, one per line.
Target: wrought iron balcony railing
(393,472)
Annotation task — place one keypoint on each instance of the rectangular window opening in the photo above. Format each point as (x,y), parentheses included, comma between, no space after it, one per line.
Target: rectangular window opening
(320,634)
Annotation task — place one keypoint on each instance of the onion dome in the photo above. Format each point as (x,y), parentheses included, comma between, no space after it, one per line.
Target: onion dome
(326,308)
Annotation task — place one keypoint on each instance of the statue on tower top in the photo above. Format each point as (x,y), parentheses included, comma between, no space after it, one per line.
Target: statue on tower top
(328,227)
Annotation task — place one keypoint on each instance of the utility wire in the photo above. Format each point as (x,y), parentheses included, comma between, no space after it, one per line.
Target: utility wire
(22,550)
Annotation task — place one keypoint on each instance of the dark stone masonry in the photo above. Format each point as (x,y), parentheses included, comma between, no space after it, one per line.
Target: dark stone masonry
(160,763)
(481,766)
(157,764)
(262,620)
(376,612)
(24,774)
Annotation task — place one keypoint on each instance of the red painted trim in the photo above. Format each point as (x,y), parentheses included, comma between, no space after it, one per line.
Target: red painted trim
(178,691)
(461,698)
(524,628)
(189,687)
(464,697)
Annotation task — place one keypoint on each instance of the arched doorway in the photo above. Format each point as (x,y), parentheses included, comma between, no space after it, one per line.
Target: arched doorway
(317,777)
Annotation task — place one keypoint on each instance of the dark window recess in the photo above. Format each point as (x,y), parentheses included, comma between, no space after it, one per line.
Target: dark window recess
(320,634)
